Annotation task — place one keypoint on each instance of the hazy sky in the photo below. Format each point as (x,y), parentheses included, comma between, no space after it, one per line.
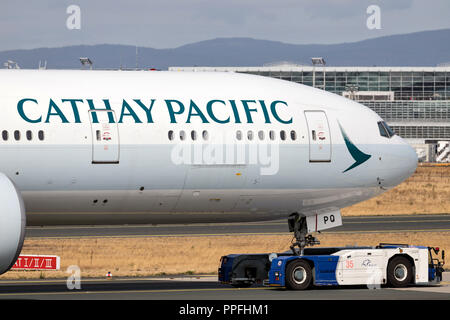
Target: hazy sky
(172,23)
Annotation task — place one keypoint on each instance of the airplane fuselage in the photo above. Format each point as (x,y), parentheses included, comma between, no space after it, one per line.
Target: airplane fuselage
(110,146)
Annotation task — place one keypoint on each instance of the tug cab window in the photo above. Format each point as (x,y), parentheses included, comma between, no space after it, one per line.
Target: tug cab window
(385,130)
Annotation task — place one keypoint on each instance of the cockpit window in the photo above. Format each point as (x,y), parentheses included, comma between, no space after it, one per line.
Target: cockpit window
(389,130)
(385,130)
(382,129)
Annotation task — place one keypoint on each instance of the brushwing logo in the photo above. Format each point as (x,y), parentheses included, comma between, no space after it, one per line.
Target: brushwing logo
(359,156)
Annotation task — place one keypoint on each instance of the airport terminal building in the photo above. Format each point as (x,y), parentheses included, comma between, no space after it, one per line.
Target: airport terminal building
(414,101)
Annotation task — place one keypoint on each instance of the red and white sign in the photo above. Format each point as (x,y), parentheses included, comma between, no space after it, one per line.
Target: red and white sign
(37,262)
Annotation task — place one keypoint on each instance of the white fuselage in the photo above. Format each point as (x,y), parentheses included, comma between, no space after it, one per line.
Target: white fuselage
(185,147)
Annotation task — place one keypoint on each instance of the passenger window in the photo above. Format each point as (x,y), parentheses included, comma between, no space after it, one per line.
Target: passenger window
(250,135)
(272,135)
(205,135)
(239,135)
(182,135)
(41,135)
(5,135)
(261,135)
(194,135)
(17,135)
(283,135)
(293,135)
(29,135)
(98,135)
(170,135)
(382,130)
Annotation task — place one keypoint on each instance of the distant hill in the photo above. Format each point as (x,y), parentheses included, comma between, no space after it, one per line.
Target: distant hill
(427,48)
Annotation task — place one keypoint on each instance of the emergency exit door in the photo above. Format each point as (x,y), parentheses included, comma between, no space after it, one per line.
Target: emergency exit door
(105,136)
(319,136)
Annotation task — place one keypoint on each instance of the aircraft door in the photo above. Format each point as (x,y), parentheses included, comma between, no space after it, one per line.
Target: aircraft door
(319,136)
(105,136)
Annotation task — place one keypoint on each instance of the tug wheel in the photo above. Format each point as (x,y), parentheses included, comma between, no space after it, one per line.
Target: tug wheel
(298,275)
(399,272)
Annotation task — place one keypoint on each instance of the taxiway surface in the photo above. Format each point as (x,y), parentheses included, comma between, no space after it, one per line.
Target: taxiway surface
(350,225)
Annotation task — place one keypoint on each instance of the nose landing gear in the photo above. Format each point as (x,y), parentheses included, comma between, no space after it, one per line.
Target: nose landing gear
(297,224)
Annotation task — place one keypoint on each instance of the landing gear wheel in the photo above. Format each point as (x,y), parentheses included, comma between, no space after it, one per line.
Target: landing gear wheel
(298,275)
(399,272)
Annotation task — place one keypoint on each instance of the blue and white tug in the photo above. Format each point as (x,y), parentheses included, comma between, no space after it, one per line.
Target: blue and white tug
(395,265)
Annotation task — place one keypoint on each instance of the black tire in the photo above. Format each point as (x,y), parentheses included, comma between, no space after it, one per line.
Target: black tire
(298,275)
(399,272)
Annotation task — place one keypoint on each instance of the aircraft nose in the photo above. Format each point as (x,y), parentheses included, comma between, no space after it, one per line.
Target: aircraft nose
(402,163)
(410,160)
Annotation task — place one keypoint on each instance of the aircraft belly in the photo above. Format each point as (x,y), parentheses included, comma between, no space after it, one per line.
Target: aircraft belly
(146,181)
(193,200)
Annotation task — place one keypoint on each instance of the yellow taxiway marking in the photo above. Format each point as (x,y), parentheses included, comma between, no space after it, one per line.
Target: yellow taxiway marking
(130,291)
(395,221)
(237,234)
(228,224)
(116,280)
(388,231)
(219,224)
(155,225)
(168,235)
(156,291)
